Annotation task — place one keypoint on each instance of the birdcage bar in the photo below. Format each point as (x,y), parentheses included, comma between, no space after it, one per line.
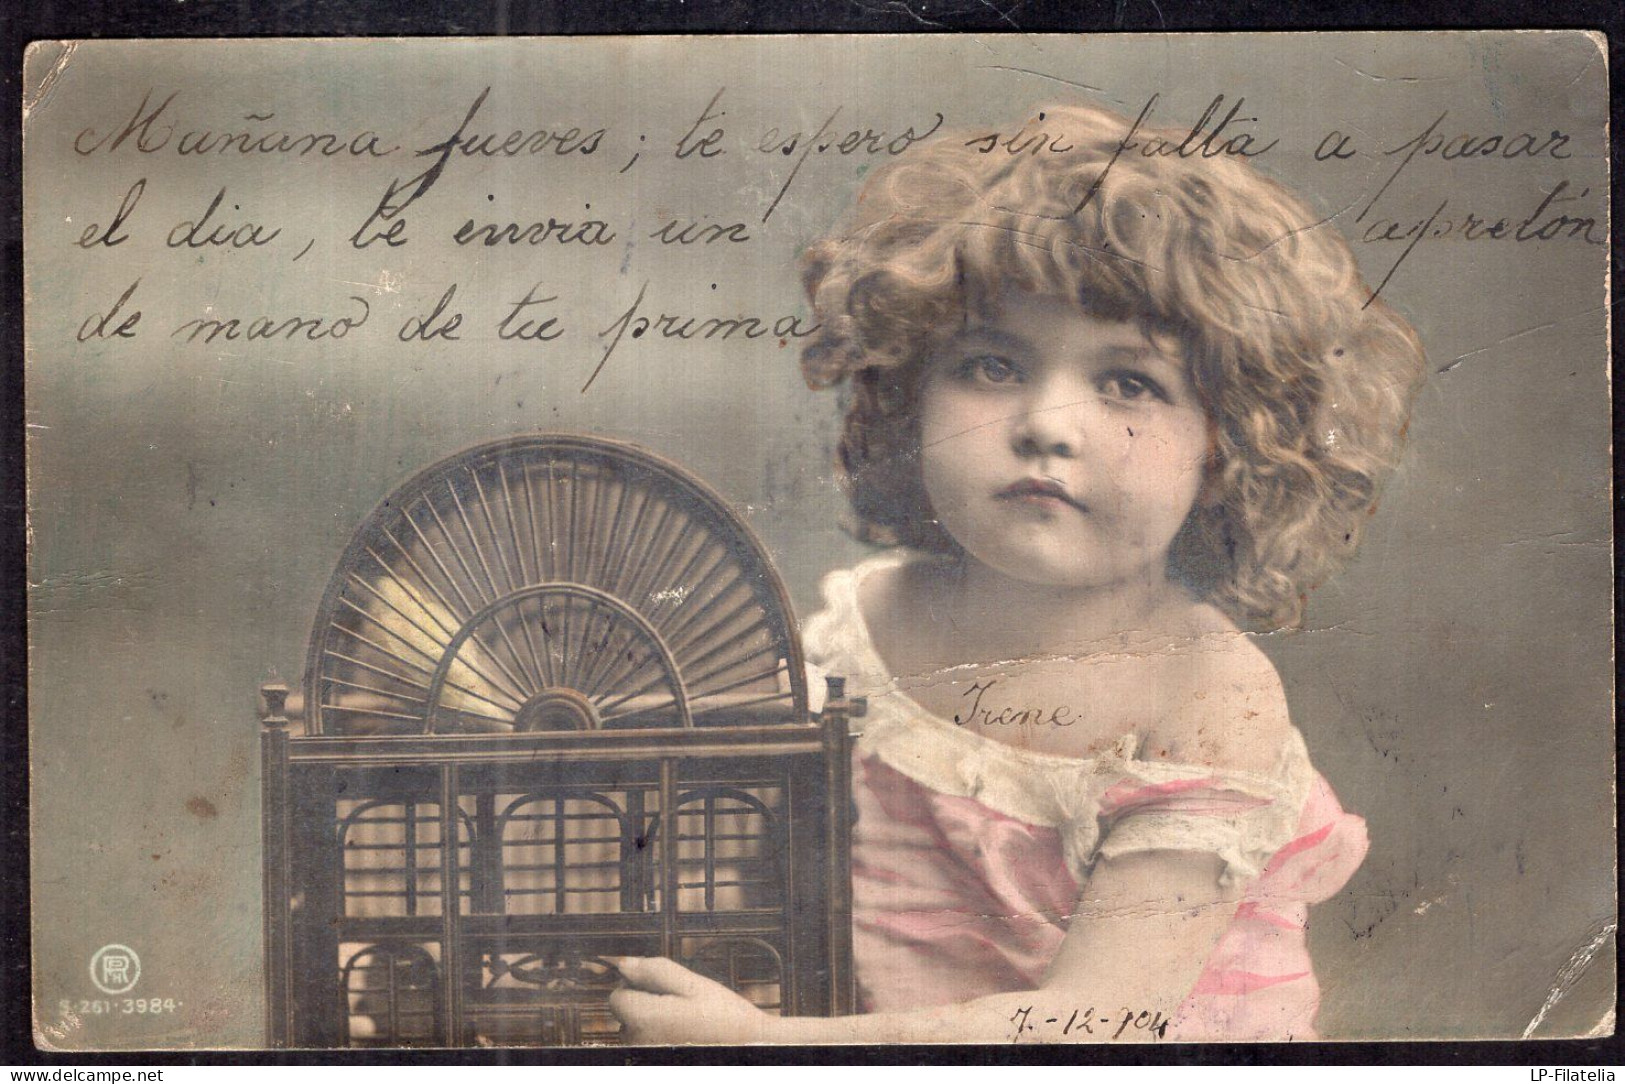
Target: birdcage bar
(276,901)
(400,751)
(838,858)
(668,857)
(451,988)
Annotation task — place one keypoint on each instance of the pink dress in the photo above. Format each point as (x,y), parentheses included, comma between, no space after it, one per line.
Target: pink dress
(968,854)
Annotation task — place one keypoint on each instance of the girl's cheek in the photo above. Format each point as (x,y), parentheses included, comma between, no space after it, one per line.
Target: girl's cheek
(956,417)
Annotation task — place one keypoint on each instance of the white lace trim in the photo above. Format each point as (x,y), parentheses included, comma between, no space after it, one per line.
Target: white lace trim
(1043,788)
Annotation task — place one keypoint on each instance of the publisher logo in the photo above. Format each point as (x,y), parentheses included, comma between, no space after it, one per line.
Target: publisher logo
(115,969)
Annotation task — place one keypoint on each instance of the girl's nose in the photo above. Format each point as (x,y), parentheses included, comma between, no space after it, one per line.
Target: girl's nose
(1048,424)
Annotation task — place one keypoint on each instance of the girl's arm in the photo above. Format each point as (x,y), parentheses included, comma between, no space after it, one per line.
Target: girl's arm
(1139,939)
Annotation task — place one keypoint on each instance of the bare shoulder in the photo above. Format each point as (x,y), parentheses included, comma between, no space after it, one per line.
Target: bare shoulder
(884,591)
(1226,706)
(891,597)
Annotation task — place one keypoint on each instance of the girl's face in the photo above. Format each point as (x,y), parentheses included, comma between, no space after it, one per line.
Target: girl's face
(1059,448)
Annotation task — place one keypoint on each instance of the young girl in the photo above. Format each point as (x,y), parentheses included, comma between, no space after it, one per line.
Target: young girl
(1111,410)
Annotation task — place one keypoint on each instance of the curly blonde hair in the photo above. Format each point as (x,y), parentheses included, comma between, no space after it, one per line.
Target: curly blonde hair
(1306,378)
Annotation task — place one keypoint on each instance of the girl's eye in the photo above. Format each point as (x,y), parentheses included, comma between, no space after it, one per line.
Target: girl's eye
(989,369)
(1131,387)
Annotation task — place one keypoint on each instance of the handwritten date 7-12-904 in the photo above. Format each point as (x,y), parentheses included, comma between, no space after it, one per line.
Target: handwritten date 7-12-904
(1083,1024)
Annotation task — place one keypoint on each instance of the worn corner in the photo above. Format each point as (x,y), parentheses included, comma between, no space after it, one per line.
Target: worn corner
(44,63)
(1599,41)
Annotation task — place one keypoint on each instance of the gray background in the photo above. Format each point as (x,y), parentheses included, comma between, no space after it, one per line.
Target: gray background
(188,502)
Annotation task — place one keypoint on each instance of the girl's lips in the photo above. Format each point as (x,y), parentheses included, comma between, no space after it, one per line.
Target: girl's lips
(1039,490)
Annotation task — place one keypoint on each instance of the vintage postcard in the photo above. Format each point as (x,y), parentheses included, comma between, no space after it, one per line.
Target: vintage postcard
(811,539)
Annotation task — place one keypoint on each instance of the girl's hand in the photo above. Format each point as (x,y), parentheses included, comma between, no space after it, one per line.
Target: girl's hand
(662,1002)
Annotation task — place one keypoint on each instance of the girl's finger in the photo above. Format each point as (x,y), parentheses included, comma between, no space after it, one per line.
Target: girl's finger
(658,975)
(641,1015)
(629,1005)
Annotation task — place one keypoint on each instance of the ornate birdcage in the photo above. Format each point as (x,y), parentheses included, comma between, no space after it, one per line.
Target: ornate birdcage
(554,712)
